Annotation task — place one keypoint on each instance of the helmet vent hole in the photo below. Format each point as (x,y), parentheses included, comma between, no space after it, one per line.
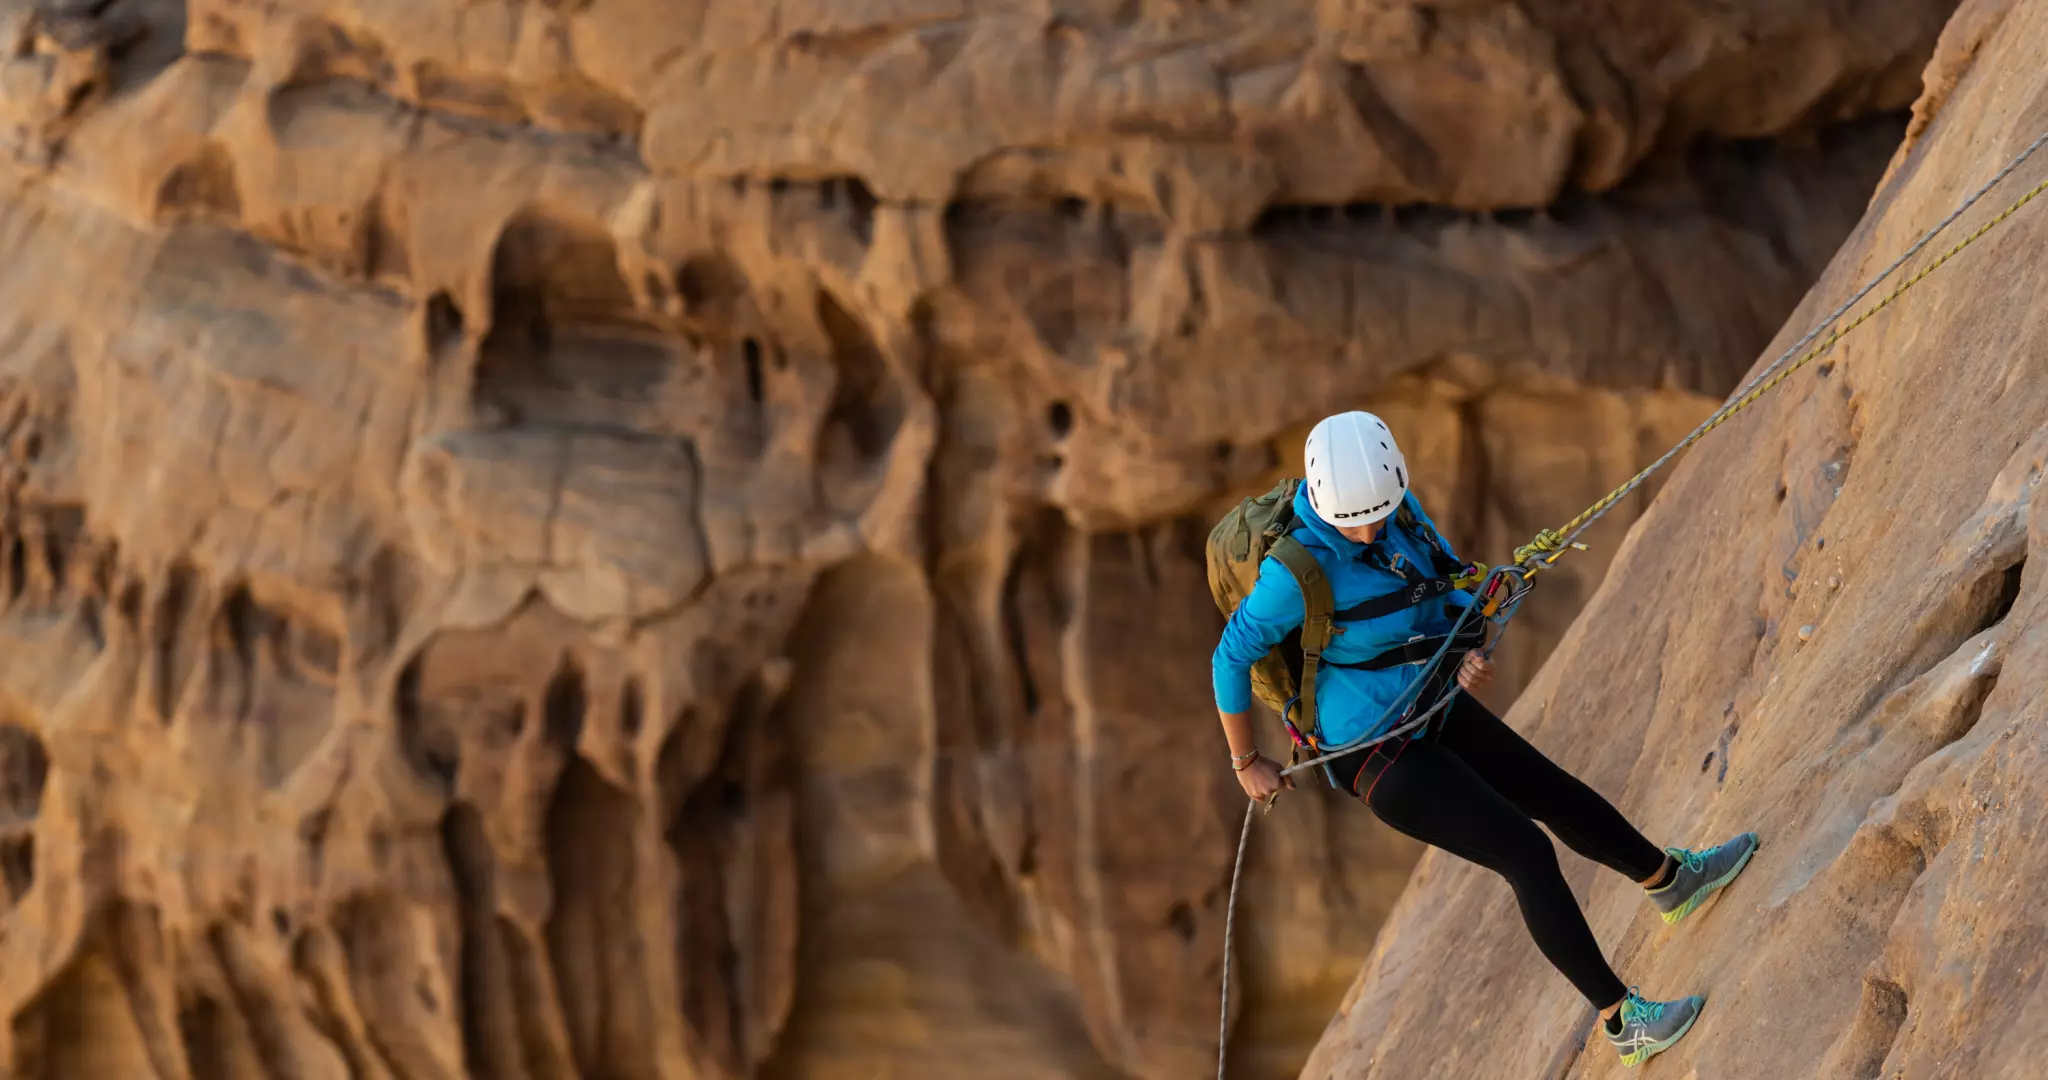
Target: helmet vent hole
(1398,475)
(1383,445)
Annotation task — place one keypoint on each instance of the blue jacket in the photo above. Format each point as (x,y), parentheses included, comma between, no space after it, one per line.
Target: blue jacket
(1349,701)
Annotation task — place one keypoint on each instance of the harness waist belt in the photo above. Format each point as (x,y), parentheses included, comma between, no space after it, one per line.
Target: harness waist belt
(1418,650)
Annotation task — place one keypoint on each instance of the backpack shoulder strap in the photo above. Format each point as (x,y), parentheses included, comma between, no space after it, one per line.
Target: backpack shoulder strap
(1445,566)
(1318,610)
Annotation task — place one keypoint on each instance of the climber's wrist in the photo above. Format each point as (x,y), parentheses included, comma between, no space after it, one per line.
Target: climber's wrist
(1241,762)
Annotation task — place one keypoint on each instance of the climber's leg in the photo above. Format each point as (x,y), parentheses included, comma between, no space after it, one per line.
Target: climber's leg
(1422,789)
(1678,880)
(1578,815)
(1428,793)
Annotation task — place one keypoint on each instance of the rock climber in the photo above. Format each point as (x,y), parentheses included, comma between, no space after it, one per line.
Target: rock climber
(1466,783)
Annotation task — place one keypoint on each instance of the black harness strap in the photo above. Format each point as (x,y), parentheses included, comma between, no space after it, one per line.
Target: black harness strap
(1419,590)
(1421,649)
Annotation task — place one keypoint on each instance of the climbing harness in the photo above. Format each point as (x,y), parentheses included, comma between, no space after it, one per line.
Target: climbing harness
(1502,589)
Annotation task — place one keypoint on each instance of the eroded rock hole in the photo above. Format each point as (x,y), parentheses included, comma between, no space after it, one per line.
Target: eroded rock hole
(1182,920)
(699,836)
(202,188)
(567,343)
(708,283)
(444,322)
(130,604)
(866,405)
(203,1030)
(672,766)
(18,865)
(592,936)
(17,568)
(1423,217)
(630,708)
(175,651)
(89,621)
(24,768)
(861,203)
(442,763)
(1014,636)
(1286,218)
(244,623)
(1033,612)
(750,355)
(55,556)
(564,706)
(1059,416)
(2008,594)
(430,746)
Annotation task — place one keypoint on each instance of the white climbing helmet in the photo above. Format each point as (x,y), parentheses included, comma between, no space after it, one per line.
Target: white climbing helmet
(1356,474)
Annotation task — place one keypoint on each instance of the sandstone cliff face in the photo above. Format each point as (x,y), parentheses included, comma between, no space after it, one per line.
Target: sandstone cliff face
(1827,629)
(623,540)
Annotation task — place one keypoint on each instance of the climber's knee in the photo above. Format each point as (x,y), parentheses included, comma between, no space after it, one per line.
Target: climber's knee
(1527,855)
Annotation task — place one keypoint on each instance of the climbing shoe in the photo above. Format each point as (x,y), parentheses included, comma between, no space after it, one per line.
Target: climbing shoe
(1648,1028)
(1700,875)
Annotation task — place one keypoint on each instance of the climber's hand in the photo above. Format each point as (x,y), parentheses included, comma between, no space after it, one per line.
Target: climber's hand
(1261,779)
(1475,672)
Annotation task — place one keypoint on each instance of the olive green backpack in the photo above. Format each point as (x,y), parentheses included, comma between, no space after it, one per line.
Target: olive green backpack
(1260,526)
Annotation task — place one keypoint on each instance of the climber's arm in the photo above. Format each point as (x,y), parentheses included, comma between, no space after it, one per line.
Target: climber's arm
(1265,618)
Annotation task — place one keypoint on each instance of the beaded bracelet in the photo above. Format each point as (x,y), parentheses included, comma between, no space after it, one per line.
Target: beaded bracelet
(1241,762)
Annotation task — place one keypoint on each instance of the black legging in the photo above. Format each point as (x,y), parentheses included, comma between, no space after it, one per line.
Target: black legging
(1472,786)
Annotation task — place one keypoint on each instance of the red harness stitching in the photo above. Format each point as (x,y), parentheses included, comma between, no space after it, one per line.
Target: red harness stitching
(1383,770)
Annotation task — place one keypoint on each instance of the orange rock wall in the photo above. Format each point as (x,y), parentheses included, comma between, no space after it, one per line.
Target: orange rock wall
(659,540)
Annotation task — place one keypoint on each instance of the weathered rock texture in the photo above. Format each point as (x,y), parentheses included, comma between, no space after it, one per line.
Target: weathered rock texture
(1829,628)
(659,540)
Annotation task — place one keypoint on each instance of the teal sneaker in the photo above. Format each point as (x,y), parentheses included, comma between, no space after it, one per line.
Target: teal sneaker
(1700,875)
(1648,1028)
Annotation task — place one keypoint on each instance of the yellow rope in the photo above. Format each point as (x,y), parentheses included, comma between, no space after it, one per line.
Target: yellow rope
(1552,542)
